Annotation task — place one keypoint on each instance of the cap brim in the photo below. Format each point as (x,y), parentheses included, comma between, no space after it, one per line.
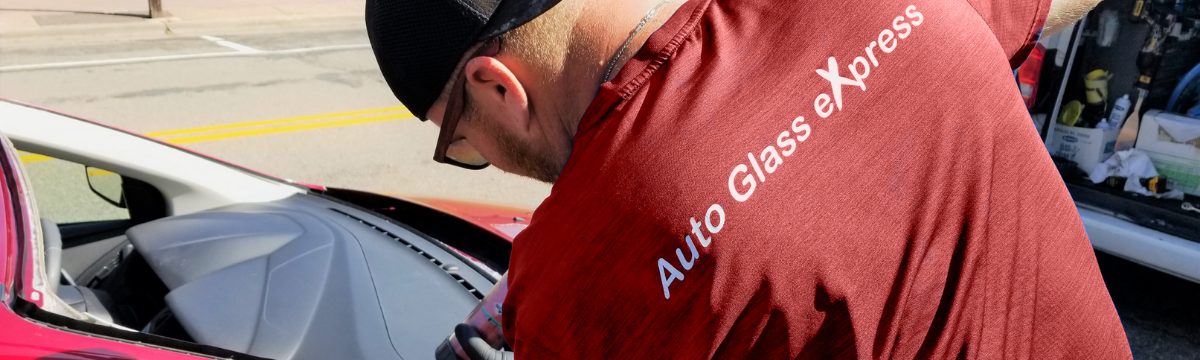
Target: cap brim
(511,14)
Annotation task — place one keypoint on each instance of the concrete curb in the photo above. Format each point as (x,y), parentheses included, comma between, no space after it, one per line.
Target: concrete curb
(139,29)
(181,57)
(166,27)
(182,27)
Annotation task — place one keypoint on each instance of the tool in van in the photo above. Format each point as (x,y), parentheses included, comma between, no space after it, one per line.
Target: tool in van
(1096,86)
(1155,184)
(1161,22)
(1148,61)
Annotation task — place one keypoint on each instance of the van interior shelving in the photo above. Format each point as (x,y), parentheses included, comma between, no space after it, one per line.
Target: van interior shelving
(1159,233)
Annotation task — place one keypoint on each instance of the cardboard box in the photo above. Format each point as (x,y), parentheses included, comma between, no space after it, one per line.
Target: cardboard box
(1182,174)
(1179,137)
(1173,143)
(1085,146)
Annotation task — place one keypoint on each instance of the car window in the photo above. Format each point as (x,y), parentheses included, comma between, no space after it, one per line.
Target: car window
(62,193)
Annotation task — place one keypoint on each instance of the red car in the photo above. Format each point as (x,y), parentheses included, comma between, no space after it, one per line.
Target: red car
(117,246)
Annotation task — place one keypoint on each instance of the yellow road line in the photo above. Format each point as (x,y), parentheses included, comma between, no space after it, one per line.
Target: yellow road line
(34,158)
(285,128)
(271,122)
(99,172)
(31,157)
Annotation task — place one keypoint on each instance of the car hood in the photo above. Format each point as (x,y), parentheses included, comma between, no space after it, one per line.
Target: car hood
(501,220)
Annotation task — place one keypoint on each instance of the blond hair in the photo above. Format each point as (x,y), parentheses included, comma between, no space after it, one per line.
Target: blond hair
(541,43)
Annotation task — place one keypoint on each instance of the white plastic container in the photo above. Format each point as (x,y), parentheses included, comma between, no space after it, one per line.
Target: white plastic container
(1119,112)
(1085,146)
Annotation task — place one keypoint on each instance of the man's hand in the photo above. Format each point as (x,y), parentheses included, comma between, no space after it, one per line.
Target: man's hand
(1063,13)
(477,348)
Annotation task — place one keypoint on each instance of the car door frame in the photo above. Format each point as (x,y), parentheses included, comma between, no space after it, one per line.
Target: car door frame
(28,331)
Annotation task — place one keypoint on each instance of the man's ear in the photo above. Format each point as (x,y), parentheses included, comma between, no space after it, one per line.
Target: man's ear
(493,87)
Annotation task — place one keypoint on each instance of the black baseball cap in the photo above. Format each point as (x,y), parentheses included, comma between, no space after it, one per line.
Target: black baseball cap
(418,43)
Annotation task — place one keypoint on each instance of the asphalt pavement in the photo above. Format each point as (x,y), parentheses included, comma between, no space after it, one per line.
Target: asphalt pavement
(309,104)
(330,118)
(1161,313)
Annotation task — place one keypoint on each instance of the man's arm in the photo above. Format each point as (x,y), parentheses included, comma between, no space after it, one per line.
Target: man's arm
(1063,13)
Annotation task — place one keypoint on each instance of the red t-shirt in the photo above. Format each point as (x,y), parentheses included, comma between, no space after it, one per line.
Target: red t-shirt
(770,179)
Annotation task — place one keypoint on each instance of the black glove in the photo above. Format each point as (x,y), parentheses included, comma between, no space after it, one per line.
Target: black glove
(475,347)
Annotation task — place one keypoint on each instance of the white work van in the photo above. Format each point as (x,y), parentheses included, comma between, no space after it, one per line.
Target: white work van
(1163,234)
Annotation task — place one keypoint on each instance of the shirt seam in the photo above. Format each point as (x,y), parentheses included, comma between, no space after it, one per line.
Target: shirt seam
(1029,33)
(607,100)
(660,57)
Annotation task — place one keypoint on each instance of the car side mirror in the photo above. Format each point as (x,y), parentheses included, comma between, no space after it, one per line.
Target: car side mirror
(107,185)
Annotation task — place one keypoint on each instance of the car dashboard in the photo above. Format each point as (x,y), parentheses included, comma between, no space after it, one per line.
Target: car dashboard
(307,278)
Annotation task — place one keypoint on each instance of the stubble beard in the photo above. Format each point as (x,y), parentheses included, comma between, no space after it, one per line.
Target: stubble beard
(524,156)
(532,163)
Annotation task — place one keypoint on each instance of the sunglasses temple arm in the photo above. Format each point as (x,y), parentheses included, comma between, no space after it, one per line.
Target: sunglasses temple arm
(450,120)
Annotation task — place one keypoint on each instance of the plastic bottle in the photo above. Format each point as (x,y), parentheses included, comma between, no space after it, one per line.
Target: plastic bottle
(1120,109)
(485,318)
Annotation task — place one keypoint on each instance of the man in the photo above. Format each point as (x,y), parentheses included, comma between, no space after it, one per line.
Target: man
(763,178)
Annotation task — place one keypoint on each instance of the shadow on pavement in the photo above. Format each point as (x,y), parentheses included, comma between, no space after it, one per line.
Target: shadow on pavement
(1160,312)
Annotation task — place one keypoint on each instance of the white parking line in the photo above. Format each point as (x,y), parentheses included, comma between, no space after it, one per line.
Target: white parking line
(78,64)
(230,44)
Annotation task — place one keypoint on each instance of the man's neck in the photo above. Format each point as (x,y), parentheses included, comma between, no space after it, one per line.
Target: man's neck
(602,29)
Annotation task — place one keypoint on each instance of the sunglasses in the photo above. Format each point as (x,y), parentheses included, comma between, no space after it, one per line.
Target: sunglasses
(459,152)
